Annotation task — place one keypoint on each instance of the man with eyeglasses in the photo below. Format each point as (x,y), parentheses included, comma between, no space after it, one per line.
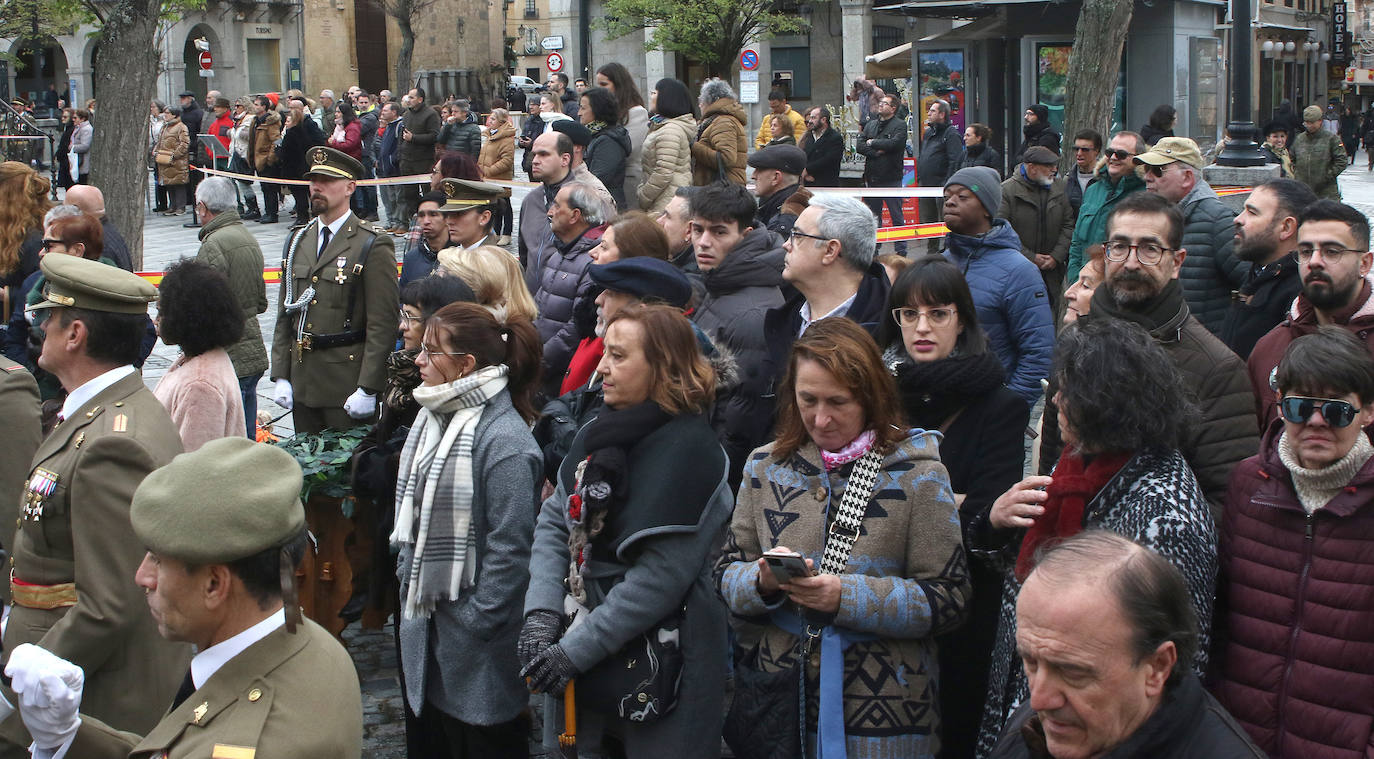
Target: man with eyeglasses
(1295,588)
(1266,235)
(1115,180)
(1173,170)
(1333,261)
(1144,246)
(1036,206)
(1087,147)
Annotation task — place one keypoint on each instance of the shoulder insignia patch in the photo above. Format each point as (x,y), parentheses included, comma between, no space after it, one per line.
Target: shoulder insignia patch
(120,423)
(13,369)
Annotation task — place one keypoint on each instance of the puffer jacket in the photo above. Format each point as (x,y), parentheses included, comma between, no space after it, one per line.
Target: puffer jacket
(667,161)
(720,139)
(262,141)
(1295,605)
(1226,434)
(607,156)
(1211,270)
(1302,320)
(563,283)
(1091,228)
(497,159)
(1013,307)
(1043,219)
(176,142)
(460,137)
(739,293)
(1317,160)
(229,247)
(637,126)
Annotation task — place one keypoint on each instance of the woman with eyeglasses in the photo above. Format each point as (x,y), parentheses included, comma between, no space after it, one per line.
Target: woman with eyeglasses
(948,380)
(466,499)
(1297,588)
(1117,177)
(1124,413)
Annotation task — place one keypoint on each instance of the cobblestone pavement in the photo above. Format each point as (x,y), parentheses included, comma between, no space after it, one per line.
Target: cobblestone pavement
(165,240)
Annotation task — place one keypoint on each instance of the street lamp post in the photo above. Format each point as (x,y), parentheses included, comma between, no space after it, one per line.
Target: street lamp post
(1242,148)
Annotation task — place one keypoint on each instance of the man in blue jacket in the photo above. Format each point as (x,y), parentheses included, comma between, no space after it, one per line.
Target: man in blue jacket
(1008,292)
(386,164)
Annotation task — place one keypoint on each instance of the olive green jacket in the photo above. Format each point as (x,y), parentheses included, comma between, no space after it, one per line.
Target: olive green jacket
(285,696)
(82,535)
(228,246)
(19,409)
(1317,160)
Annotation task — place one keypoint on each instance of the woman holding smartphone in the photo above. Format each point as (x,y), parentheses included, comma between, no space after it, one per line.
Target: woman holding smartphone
(903,581)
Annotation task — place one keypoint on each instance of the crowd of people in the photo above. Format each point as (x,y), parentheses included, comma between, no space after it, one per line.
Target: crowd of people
(693,462)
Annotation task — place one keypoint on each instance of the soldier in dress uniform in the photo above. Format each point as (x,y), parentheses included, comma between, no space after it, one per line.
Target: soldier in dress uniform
(74,553)
(336,316)
(20,410)
(469,211)
(225,530)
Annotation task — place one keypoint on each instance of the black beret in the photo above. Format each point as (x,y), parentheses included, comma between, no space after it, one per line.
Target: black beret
(644,278)
(579,134)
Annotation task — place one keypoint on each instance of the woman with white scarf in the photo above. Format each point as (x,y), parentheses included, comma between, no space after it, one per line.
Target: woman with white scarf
(465,506)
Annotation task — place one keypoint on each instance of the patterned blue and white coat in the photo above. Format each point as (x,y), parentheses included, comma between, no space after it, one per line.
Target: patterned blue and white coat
(906,582)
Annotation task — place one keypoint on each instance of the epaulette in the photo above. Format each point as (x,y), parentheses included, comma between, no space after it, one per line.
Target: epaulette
(15,368)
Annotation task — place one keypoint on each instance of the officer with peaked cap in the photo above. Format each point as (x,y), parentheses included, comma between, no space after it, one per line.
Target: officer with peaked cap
(336,314)
(74,550)
(468,209)
(222,549)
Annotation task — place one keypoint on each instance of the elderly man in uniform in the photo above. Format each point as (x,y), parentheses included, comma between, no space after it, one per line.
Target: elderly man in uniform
(467,209)
(336,315)
(74,553)
(1106,633)
(222,548)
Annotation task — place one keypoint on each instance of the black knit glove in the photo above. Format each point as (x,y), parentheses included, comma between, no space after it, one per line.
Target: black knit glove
(550,671)
(540,631)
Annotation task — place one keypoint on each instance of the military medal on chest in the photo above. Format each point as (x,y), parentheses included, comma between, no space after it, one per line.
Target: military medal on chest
(340,275)
(40,487)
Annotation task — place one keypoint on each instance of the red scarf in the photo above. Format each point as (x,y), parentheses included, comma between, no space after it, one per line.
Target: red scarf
(1069,493)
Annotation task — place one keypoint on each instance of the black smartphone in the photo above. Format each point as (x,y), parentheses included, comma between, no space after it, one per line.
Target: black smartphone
(787,565)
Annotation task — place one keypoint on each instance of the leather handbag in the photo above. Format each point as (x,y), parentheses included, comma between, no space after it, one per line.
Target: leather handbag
(765,716)
(163,158)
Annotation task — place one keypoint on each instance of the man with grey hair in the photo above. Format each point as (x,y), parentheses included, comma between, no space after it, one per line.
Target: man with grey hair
(228,246)
(1106,632)
(327,111)
(777,177)
(721,146)
(830,266)
(91,200)
(577,218)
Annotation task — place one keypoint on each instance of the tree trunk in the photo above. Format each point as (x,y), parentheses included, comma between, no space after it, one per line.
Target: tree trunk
(404,82)
(125,78)
(1094,67)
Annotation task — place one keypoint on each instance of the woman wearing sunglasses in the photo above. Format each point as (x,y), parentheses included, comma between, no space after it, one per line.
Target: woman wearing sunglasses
(1297,587)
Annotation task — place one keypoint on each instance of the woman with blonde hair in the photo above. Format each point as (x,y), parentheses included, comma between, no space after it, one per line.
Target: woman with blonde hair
(495,277)
(23,201)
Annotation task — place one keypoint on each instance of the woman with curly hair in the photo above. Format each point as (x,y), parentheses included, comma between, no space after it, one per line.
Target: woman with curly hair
(198,312)
(23,202)
(1123,415)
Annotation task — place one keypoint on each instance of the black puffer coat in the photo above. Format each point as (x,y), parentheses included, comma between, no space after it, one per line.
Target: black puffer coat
(1211,270)
(606,157)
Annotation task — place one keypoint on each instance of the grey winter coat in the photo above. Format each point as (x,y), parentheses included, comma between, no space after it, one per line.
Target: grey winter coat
(462,659)
(1211,270)
(666,567)
(563,283)
(227,245)
(607,156)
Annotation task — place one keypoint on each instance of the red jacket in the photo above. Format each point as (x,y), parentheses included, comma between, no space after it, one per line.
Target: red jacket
(352,143)
(1302,320)
(221,127)
(1295,613)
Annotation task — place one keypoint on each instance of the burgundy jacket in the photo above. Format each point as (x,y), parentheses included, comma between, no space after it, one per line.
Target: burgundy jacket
(1295,613)
(1302,320)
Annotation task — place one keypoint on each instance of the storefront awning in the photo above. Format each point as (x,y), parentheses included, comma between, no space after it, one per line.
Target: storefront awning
(892,63)
(945,6)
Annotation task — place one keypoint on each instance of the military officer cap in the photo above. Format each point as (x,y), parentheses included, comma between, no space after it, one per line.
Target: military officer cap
(230,499)
(462,194)
(328,163)
(78,283)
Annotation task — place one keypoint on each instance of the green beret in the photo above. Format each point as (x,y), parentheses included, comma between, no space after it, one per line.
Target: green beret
(229,500)
(75,282)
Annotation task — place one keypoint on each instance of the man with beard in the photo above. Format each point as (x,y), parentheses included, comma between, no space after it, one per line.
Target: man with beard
(1266,233)
(1037,131)
(1333,263)
(336,314)
(1144,256)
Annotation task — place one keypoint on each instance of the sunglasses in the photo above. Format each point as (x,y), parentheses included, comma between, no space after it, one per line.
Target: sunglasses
(1298,410)
(1118,153)
(1157,171)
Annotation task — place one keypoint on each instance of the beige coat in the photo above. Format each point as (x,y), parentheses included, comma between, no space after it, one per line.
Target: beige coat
(497,159)
(667,161)
(721,139)
(176,142)
(262,141)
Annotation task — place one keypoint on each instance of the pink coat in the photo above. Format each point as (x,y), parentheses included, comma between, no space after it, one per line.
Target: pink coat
(202,395)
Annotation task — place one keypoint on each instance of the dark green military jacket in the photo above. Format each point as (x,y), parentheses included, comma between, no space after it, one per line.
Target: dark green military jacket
(19,410)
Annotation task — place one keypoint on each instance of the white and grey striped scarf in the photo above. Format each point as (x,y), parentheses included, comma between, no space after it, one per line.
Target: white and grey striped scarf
(440,527)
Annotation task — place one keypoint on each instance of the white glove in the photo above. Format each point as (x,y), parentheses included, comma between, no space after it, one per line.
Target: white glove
(361,404)
(282,395)
(49,690)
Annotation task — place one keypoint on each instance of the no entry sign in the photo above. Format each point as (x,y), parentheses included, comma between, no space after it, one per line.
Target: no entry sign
(207,61)
(555,62)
